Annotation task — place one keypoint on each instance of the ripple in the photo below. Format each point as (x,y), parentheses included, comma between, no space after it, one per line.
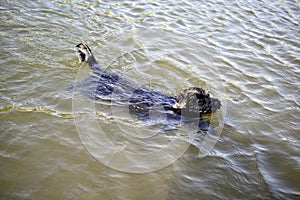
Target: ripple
(7,109)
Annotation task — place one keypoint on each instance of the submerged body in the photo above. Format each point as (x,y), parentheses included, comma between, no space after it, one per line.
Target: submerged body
(191,102)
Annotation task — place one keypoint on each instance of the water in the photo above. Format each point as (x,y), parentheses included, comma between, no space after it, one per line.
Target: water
(245,52)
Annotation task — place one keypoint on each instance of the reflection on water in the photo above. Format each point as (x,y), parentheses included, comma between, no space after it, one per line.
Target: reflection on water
(248,48)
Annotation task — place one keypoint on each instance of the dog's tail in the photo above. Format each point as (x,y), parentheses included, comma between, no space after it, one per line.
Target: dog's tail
(85,54)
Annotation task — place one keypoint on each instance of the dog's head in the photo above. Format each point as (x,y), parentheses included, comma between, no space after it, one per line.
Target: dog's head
(197,100)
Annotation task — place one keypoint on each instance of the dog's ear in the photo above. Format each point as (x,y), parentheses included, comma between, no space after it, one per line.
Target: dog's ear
(196,100)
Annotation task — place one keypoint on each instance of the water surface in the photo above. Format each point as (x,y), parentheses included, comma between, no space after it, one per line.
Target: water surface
(245,52)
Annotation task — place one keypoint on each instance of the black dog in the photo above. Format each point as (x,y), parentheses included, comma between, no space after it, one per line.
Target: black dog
(191,102)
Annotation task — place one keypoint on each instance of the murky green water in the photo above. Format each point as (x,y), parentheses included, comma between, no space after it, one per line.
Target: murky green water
(245,52)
